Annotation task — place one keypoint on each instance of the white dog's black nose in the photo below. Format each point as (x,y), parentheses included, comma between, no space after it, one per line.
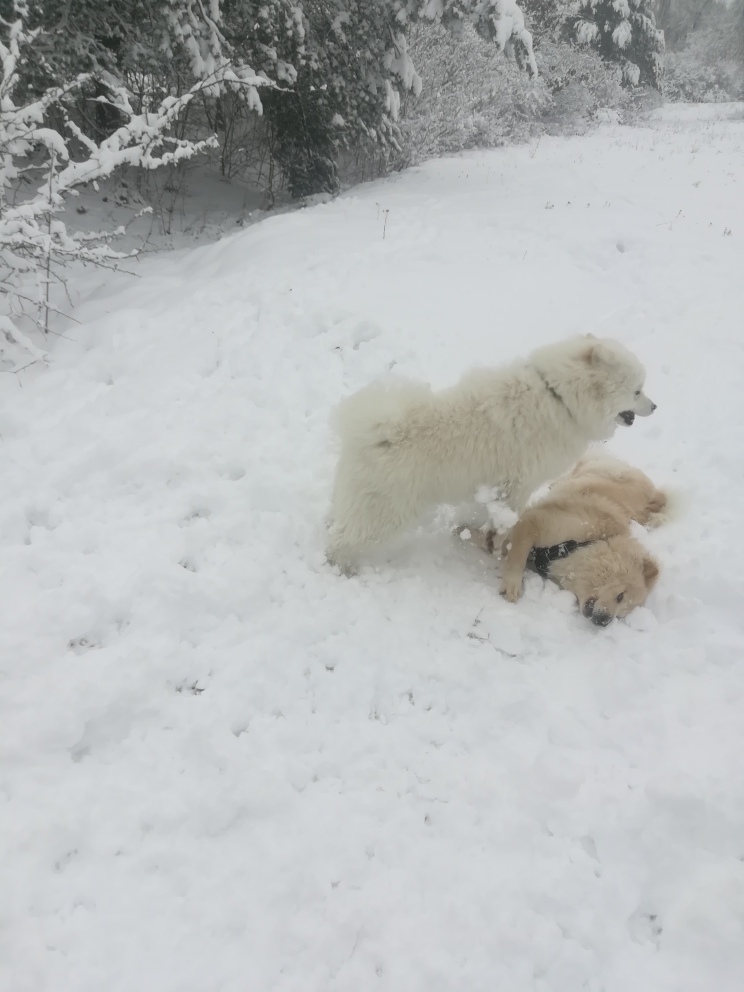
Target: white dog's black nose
(653,407)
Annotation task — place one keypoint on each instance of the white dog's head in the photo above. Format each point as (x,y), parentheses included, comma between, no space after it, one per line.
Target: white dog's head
(599,381)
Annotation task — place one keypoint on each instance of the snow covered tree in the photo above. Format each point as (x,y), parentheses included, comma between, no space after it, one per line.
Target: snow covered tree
(41,135)
(547,18)
(705,62)
(338,68)
(624,31)
(737,15)
(126,38)
(342,67)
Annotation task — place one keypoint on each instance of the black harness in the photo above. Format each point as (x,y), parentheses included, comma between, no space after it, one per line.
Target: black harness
(540,559)
(554,393)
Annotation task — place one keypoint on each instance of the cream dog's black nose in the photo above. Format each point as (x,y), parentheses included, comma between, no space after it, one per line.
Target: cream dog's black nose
(601,619)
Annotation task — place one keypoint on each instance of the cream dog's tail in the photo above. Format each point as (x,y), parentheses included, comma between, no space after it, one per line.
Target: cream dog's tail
(673,507)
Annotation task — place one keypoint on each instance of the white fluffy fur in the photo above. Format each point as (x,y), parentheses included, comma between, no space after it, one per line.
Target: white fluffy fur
(405,447)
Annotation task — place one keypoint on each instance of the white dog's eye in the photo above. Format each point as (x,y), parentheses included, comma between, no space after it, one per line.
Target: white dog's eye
(637,392)
(620,597)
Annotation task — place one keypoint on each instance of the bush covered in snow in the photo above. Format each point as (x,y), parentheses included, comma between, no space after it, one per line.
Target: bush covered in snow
(47,154)
(342,72)
(336,73)
(705,63)
(697,75)
(470,99)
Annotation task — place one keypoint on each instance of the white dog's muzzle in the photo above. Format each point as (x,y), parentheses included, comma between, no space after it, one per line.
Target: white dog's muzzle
(643,407)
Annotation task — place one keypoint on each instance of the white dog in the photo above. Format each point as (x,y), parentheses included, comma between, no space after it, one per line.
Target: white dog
(404,447)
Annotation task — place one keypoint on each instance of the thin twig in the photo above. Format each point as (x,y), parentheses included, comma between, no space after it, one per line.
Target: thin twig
(49,247)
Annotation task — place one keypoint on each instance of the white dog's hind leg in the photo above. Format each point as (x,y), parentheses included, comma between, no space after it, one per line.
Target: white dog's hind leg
(372,519)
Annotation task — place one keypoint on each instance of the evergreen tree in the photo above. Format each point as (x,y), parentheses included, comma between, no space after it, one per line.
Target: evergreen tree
(335,69)
(341,67)
(625,32)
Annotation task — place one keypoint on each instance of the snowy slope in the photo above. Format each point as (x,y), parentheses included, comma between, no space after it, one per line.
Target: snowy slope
(226,768)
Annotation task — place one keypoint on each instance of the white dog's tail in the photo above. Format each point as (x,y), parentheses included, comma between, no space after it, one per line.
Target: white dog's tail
(372,415)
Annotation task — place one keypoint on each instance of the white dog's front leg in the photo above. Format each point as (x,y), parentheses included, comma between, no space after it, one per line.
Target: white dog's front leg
(474,516)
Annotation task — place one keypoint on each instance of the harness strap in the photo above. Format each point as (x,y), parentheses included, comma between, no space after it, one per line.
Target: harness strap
(541,558)
(554,393)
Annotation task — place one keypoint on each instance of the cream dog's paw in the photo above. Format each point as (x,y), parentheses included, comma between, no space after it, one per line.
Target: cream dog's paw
(511,587)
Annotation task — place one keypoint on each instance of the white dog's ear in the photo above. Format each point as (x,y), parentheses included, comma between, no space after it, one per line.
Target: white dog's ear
(650,572)
(590,354)
(595,354)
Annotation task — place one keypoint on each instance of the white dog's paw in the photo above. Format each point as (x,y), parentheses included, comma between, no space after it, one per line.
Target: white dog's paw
(340,561)
(346,570)
(511,587)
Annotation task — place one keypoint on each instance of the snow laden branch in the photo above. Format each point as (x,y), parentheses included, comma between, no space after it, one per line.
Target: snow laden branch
(625,32)
(502,22)
(195,25)
(34,242)
(498,21)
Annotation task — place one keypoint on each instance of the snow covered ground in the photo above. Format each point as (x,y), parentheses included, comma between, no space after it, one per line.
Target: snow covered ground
(225,767)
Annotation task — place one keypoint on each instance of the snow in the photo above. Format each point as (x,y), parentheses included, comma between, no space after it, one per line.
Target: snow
(226,766)
(622,34)
(686,113)
(586,32)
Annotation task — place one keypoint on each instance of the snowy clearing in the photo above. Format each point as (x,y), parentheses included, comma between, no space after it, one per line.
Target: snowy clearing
(227,768)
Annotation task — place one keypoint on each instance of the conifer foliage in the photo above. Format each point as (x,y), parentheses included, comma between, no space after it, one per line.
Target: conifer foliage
(70,117)
(89,86)
(335,69)
(624,31)
(342,66)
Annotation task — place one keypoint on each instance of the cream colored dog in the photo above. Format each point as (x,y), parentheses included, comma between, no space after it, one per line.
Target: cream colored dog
(579,536)
(405,448)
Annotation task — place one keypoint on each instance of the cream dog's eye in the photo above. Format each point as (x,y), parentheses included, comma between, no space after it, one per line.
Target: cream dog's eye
(620,597)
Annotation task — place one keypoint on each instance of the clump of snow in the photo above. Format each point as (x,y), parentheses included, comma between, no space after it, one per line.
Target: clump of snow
(503,20)
(501,516)
(631,72)
(586,32)
(399,61)
(622,34)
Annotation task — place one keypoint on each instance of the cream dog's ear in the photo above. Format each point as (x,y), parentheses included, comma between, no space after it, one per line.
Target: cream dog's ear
(650,572)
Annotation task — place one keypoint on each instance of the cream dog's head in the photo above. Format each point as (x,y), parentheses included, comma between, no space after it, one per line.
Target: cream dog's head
(609,578)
